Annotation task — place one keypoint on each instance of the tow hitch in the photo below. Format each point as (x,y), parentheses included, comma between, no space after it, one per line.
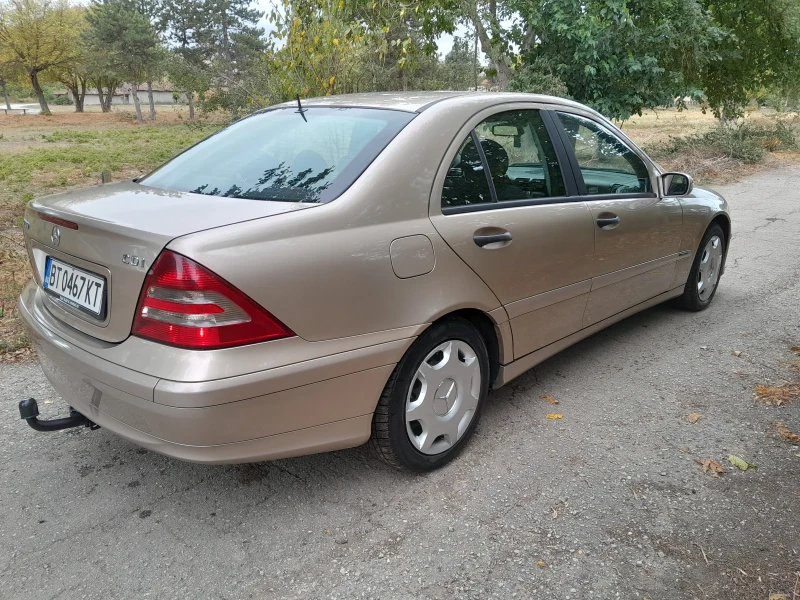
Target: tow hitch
(29,410)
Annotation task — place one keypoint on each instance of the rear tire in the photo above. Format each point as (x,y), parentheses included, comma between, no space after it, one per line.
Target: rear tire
(706,270)
(433,399)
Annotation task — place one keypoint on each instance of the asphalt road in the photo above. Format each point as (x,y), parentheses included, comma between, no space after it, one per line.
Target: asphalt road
(608,498)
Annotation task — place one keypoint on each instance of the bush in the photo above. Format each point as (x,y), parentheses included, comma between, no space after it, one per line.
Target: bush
(62,100)
(746,143)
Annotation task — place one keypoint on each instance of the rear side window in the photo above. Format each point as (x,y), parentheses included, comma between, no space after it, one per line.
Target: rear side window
(466,181)
(284,155)
(520,155)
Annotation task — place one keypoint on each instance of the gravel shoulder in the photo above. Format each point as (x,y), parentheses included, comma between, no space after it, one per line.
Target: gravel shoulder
(607,502)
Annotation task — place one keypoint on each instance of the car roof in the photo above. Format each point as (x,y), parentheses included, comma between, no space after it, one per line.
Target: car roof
(419,101)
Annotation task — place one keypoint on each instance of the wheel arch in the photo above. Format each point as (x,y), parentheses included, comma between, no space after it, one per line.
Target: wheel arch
(488,330)
(724,221)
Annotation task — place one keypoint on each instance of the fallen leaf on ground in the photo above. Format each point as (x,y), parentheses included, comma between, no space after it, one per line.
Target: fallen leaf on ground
(788,435)
(540,563)
(554,416)
(778,395)
(555,513)
(795,349)
(740,463)
(710,466)
(694,417)
(779,597)
(550,399)
(737,352)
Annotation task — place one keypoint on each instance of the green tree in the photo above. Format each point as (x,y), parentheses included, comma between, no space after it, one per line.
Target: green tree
(74,75)
(10,72)
(102,73)
(460,65)
(184,23)
(618,56)
(231,35)
(761,50)
(39,35)
(153,10)
(129,40)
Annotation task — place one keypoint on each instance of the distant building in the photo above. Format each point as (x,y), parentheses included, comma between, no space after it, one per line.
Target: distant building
(163,93)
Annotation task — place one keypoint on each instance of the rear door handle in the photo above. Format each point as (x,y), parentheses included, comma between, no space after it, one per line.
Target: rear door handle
(608,222)
(485,240)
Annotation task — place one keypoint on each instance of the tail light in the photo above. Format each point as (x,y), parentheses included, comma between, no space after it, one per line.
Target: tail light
(184,304)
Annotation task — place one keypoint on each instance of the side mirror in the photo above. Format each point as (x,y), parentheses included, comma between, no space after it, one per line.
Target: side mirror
(677,184)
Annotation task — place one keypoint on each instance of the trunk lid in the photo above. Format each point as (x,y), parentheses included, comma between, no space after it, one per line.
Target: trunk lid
(121,229)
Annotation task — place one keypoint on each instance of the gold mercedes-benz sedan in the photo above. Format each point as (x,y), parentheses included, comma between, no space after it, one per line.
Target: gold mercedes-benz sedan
(336,270)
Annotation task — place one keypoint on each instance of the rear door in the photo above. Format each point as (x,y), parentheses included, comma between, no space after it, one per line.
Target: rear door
(637,234)
(506,206)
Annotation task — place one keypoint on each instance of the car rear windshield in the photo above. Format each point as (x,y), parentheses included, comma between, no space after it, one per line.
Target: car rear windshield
(284,154)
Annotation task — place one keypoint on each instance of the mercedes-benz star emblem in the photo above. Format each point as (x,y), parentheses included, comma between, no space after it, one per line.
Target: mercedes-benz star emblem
(55,236)
(444,398)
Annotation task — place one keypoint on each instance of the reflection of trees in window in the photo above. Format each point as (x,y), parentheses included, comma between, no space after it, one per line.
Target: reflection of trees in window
(279,183)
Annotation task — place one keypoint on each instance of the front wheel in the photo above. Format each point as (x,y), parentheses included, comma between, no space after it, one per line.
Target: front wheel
(433,399)
(706,270)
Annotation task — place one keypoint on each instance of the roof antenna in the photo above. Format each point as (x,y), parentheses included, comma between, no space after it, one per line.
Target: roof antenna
(300,109)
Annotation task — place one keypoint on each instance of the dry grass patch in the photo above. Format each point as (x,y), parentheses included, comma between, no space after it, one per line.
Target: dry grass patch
(694,142)
(778,395)
(787,434)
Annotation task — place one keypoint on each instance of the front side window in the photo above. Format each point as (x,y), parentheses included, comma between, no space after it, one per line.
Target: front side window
(284,155)
(608,166)
(521,156)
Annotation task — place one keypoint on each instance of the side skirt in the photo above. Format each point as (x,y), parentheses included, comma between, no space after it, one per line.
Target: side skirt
(512,370)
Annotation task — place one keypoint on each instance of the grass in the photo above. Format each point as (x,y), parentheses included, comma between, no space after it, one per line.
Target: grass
(43,155)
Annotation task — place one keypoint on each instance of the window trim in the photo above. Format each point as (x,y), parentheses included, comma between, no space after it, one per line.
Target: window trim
(476,141)
(468,208)
(578,174)
(557,136)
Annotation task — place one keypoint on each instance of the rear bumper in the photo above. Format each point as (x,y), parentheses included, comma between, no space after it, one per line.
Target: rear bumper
(264,415)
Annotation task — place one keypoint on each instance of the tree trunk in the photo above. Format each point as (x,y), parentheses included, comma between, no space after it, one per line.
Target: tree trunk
(109,97)
(495,53)
(101,95)
(191,105)
(150,100)
(5,93)
(82,93)
(39,92)
(136,103)
(76,97)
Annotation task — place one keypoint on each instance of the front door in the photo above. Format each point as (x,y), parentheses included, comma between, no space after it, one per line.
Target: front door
(505,208)
(637,234)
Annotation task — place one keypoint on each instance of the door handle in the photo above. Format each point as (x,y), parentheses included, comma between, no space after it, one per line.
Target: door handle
(485,240)
(608,222)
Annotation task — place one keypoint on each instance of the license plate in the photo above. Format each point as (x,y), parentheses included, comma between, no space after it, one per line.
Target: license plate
(75,287)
